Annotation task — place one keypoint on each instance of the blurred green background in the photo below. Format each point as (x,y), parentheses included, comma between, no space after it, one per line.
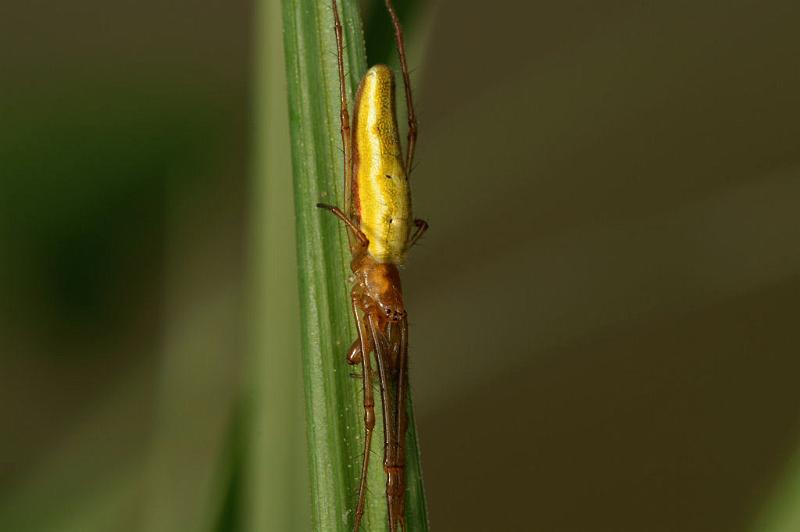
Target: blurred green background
(603,315)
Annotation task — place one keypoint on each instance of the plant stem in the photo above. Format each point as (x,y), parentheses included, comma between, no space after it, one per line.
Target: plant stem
(334,409)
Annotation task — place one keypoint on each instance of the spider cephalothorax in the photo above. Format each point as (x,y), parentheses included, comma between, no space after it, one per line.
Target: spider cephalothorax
(377,288)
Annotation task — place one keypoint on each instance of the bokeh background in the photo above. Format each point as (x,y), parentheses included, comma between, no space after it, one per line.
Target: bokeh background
(604,313)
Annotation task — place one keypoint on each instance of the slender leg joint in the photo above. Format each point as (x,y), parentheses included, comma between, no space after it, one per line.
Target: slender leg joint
(422,226)
(343,217)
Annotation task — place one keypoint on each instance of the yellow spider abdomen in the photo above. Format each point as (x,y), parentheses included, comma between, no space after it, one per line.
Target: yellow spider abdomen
(381,194)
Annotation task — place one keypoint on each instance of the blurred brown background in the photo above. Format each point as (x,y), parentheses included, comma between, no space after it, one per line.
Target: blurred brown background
(603,313)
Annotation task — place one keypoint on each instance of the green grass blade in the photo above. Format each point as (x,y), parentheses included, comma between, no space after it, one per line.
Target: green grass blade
(333,398)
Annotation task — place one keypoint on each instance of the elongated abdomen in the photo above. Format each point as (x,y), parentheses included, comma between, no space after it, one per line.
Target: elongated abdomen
(381,195)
